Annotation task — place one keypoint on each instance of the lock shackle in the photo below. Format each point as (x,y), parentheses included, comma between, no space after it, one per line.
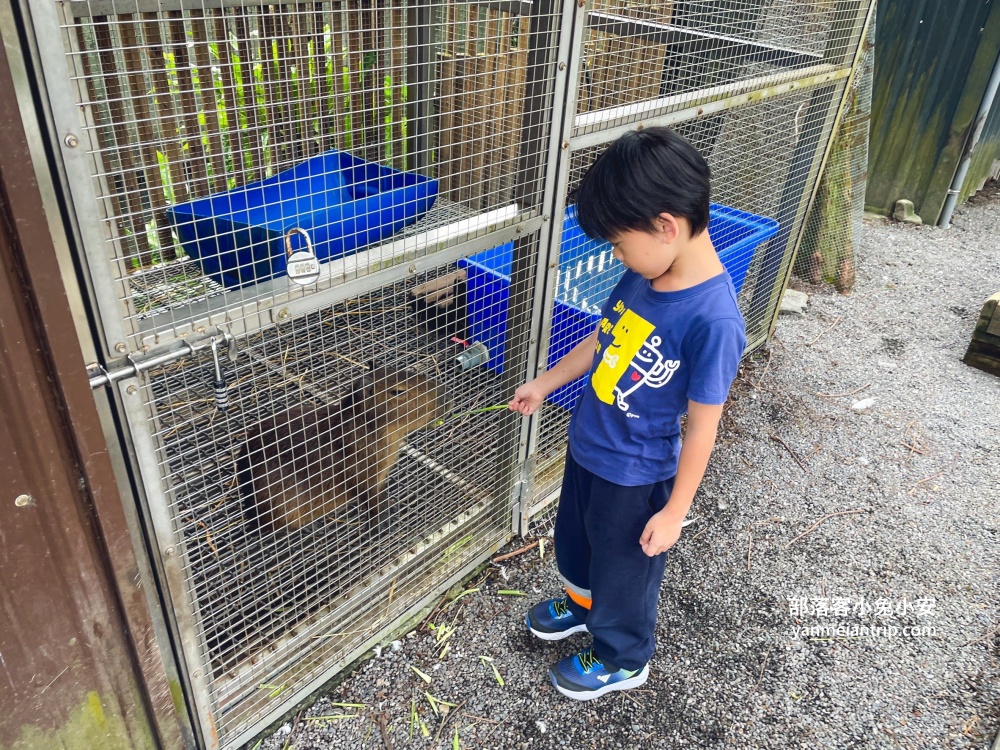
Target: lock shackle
(288,240)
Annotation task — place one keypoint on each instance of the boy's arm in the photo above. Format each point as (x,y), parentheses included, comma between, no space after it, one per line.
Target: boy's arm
(664,528)
(575,363)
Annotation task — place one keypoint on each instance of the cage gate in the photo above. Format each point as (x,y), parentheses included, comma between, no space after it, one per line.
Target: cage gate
(320,459)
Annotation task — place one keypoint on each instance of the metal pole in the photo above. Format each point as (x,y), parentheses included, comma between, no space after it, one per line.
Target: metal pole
(977,130)
(551,22)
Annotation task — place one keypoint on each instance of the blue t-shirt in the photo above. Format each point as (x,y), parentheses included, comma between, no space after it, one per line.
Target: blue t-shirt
(655,350)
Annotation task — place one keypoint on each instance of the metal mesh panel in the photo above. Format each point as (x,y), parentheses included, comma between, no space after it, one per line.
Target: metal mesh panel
(294,550)
(836,220)
(645,58)
(755,153)
(345,462)
(386,130)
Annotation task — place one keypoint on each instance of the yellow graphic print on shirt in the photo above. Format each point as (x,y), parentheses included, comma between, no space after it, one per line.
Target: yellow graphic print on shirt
(631,360)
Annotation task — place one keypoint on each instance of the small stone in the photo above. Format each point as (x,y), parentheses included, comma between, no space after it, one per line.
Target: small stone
(863,404)
(794,302)
(887,365)
(905,212)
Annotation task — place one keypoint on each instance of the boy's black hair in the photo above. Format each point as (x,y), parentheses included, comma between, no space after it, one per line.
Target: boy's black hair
(639,176)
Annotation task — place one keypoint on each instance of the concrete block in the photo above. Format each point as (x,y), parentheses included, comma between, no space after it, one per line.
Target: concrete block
(793,302)
(905,212)
(984,349)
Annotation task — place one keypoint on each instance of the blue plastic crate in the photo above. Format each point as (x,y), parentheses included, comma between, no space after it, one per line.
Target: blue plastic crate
(587,274)
(343,202)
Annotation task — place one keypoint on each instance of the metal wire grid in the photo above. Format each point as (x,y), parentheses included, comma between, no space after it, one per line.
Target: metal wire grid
(276,603)
(836,221)
(646,58)
(752,151)
(208,98)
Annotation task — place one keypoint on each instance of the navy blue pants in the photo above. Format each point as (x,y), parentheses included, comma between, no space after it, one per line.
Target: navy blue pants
(613,585)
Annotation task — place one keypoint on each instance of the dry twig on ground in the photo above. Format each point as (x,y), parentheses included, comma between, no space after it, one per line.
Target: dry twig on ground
(791,452)
(515,553)
(824,518)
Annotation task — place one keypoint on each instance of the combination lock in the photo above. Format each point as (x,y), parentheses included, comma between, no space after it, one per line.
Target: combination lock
(302,266)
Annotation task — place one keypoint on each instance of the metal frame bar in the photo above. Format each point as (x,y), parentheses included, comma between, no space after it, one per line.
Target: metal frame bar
(528,269)
(56,86)
(183,616)
(697,104)
(548,260)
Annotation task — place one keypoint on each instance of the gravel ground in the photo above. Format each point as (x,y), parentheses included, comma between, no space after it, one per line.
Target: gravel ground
(816,511)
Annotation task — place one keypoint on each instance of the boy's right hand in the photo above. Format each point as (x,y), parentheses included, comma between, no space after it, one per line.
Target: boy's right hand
(527,398)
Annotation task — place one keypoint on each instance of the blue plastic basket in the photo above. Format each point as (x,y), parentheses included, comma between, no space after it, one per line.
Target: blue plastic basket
(587,274)
(343,202)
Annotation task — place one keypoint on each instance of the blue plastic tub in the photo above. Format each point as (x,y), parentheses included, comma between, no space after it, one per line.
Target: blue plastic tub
(587,274)
(343,202)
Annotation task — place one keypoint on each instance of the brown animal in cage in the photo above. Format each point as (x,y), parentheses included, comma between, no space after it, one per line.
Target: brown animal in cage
(303,463)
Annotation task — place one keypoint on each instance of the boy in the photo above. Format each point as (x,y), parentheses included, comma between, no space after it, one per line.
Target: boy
(670,342)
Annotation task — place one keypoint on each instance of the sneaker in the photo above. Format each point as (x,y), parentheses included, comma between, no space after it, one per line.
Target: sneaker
(552,620)
(583,677)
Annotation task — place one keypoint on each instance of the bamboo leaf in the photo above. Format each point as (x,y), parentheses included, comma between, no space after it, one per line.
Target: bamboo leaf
(425,677)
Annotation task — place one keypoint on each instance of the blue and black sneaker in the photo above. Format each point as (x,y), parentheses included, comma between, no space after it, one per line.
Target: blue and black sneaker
(552,620)
(583,677)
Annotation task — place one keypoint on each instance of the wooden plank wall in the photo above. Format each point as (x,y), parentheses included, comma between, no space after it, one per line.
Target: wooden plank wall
(621,70)
(481,90)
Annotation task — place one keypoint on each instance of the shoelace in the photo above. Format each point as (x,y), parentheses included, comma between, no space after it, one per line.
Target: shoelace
(588,661)
(560,607)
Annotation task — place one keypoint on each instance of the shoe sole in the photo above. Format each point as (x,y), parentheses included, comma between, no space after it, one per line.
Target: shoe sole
(634,681)
(556,636)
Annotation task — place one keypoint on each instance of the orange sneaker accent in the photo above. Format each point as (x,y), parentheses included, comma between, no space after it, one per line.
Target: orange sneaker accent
(582,601)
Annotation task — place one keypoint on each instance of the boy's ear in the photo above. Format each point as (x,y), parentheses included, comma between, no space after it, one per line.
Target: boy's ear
(667,227)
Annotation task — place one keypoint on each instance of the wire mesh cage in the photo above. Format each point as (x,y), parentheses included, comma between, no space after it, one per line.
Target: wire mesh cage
(750,150)
(298,183)
(643,59)
(340,231)
(690,65)
(322,496)
(836,221)
(385,130)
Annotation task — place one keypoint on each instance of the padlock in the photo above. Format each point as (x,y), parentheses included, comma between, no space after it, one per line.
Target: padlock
(302,266)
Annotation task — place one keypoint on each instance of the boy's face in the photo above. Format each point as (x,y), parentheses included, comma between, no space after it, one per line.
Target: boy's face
(650,254)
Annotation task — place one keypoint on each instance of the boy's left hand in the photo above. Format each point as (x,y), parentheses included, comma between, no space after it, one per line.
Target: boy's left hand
(661,533)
